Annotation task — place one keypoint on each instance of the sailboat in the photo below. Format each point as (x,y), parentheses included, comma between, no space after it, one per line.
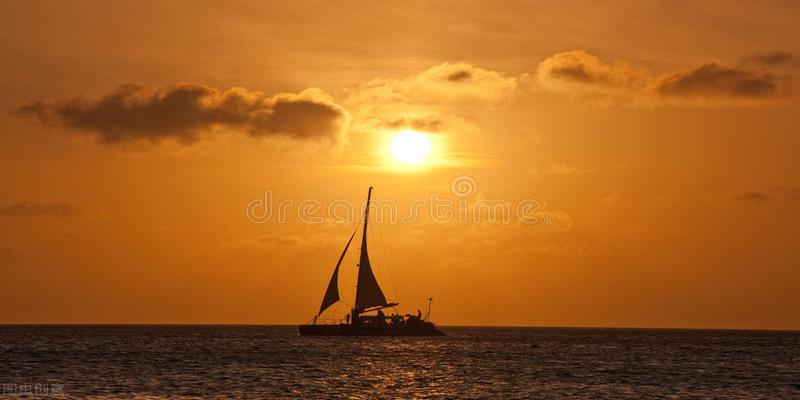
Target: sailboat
(366,317)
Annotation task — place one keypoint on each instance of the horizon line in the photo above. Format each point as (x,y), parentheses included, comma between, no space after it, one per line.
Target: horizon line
(787,330)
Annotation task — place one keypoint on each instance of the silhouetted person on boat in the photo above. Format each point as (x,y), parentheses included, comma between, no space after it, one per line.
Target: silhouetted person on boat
(419,314)
(396,319)
(347,318)
(380,318)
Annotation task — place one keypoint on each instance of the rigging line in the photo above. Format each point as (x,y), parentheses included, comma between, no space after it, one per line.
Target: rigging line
(388,267)
(381,257)
(386,261)
(373,240)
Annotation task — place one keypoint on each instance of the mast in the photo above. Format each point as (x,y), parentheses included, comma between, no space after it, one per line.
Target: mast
(428,314)
(366,220)
(368,292)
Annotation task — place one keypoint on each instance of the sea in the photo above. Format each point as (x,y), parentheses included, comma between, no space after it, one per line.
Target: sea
(274,362)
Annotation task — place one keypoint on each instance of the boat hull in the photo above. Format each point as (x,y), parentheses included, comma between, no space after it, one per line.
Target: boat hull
(426,329)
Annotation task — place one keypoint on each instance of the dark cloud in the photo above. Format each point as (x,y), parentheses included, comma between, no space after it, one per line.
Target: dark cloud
(584,69)
(579,74)
(783,193)
(576,72)
(426,124)
(459,76)
(789,193)
(26,209)
(713,80)
(8,256)
(775,58)
(279,240)
(183,111)
(754,197)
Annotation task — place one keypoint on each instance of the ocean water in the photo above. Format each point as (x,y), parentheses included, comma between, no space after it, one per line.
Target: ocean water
(274,362)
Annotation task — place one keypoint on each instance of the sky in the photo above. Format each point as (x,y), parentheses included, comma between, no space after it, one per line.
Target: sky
(615,164)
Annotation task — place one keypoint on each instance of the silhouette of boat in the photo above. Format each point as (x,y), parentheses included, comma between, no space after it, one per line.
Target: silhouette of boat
(367,318)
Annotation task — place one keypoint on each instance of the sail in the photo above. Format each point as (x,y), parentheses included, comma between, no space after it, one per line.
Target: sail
(368,292)
(332,294)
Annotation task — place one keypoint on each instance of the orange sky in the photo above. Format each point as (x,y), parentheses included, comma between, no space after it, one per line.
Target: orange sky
(660,141)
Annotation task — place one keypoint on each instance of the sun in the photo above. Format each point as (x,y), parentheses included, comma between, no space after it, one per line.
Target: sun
(411,147)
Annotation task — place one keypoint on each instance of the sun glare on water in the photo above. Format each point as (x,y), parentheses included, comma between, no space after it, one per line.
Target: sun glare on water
(411,147)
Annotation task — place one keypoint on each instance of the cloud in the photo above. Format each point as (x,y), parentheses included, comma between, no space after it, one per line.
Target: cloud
(579,74)
(760,197)
(789,193)
(460,76)
(754,197)
(428,123)
(774,58)
(459,262)
(308,241)
(183,111)
(433,100)
(566,250)
(267,242)
(579,68)
(534,135)
(613,199)
(520,229)
(277,240)
(716,81)
(26,209)
(425,121)
(559,169)
(440,85)
(460,82)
